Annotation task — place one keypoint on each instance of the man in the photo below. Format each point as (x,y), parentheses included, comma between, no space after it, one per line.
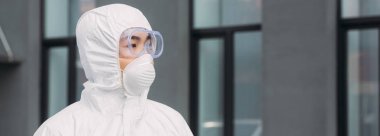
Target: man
(117,46)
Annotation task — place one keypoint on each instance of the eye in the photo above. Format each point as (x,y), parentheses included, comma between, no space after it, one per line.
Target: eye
(132,45)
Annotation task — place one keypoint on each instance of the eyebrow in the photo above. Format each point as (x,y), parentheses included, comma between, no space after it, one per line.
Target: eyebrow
(138,38)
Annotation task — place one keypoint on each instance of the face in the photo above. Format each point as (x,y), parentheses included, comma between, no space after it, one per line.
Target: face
(138,41)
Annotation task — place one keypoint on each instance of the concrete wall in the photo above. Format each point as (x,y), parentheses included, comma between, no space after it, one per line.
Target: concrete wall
(19,83)
(170,17)
(299,67)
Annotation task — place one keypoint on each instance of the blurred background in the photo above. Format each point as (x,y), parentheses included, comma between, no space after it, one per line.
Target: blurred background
(230,67)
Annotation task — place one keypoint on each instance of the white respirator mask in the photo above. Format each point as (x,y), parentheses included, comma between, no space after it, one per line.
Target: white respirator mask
(138,75)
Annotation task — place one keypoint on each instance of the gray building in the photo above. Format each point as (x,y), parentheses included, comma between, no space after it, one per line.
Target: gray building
(231,68)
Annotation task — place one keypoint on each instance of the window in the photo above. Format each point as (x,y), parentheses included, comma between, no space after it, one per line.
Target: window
(211,87)
(363,89)
(57,71)
(217,13)
(225,67)
(247,84)
(62,74)
(360,8)
(358,68)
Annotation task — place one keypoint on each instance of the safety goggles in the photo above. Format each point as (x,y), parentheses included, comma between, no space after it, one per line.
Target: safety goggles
(141,41)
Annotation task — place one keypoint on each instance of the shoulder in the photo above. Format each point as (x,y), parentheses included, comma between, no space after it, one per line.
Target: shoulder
(63,116)
(59,122)
(45,130)
(162,107)
(173,115)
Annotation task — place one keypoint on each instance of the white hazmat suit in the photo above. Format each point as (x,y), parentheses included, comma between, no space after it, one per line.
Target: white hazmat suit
(113,102)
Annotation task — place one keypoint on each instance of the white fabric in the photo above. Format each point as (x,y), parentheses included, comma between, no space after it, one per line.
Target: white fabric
(107,107)
(138,76)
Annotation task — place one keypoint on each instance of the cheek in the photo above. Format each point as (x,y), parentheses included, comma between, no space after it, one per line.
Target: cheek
(123,52)
(123,49)
(124,62)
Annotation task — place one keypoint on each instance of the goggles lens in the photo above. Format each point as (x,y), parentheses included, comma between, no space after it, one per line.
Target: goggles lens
(138,41)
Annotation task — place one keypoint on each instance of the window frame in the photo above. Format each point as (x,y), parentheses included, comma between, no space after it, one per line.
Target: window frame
(46,44)
(226,33)
(344,25)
